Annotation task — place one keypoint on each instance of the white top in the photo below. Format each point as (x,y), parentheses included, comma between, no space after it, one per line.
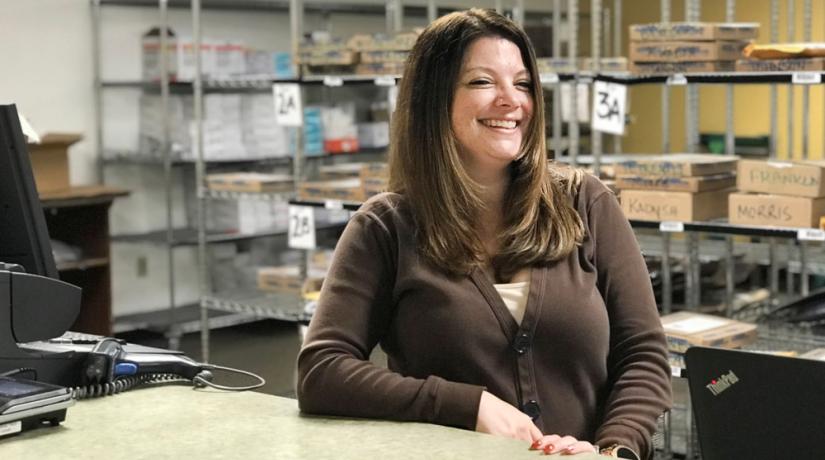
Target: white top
(514,296)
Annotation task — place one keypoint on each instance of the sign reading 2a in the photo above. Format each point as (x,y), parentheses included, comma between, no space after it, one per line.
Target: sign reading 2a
(288,109)
(609,101)
(301,227)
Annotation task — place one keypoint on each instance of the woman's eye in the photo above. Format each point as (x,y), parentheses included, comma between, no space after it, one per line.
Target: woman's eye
(479,82)
(525,84)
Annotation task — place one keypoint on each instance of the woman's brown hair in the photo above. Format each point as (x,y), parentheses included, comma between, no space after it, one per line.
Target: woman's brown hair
(539,225)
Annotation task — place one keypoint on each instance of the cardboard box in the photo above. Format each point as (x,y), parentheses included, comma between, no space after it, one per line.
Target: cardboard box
(677,184)
(675,206)
(686,51)
(611,64)
(775,210)
(714,31)
(804,178)
(677,165)
(344,190)
(681,67)
(285,279)
(694,31)
(250,182)
(374,170)
(780,65)
(685,329)
(50,161)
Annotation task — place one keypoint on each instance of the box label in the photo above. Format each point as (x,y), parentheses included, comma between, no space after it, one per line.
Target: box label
(656,211)
(694,325)
(765,212)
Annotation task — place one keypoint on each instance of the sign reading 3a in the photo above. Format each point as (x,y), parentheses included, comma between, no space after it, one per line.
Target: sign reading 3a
(609,101)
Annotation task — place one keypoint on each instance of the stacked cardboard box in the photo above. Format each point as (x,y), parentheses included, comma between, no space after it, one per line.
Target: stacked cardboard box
(686,329)
(376,54)
(779,194)
(685,47)
(676,187)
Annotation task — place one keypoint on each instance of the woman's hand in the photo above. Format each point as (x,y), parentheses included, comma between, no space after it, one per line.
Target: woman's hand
(564,445)
(501,419)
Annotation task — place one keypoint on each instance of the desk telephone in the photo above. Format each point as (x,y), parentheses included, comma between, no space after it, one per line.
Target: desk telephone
(43,368)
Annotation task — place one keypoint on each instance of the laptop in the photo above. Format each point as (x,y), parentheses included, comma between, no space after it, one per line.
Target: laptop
(757,406)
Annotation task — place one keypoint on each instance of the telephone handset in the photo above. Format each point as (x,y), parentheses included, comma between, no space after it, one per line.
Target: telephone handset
(111,368)
(105,366)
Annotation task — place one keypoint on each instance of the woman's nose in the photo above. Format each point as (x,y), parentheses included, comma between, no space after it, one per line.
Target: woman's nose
(507,96)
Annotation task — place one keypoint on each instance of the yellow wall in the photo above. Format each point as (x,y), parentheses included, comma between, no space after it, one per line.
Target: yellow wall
(751,102)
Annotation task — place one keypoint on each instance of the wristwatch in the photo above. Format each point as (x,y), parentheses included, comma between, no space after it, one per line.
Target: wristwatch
(619,451)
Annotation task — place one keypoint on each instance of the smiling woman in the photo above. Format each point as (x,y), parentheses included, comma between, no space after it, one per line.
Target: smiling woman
(509,294)
(491,108)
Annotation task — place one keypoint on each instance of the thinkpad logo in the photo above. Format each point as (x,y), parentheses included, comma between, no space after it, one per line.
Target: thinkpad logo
(725,381)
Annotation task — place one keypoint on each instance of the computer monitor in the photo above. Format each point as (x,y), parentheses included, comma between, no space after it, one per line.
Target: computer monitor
(24,237)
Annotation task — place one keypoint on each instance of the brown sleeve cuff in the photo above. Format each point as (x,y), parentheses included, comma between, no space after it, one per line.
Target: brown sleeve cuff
(456,404)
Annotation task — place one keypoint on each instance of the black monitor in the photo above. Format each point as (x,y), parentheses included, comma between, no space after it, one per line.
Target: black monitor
(24,238)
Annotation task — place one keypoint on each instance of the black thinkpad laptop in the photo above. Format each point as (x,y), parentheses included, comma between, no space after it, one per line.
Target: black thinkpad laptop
(757,406)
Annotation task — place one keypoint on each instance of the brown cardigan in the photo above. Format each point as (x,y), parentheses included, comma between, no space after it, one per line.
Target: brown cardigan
(589,359)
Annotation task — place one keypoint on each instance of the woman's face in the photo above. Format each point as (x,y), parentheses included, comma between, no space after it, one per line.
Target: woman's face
(492,105)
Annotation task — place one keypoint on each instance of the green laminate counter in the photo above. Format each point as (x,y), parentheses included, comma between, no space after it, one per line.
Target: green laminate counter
(178,422)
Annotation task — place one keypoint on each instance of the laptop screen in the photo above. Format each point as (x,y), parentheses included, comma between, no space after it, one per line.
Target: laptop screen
(750,405)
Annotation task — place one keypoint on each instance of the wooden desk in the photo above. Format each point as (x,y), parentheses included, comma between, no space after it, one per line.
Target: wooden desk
(177,422)
(79,216)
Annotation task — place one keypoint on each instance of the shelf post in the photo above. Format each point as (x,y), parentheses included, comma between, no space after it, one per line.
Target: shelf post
(730,280)
(804,287)
(773,273)
(166,151)
(791,90)
(665,7)
(557,139)
(774,98)
(667,285)
(595,51)
(806,89)
(573,46)
(518,13)
(432,11)
(98,92)
(204,285)
(730,131)
(618,28)
(692,13)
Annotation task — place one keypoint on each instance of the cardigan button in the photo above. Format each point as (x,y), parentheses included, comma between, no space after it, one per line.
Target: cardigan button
(522,343)
(532,409)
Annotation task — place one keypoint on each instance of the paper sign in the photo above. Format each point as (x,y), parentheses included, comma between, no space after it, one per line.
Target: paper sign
(549,78)
(609,100)
(301,227)
(810,234)
(671,226)
(581,101)
(694,325)
(288,107)
(385,80)
(677,80)
(333,80)
(806,78)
